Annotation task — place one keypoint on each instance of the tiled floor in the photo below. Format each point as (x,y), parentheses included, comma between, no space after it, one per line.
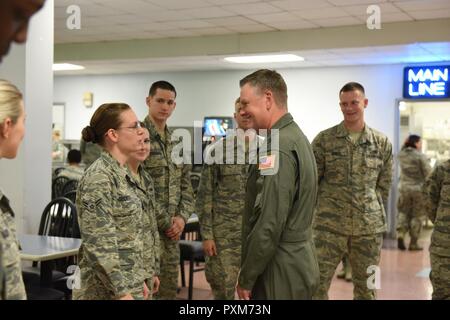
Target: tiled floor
(404,276)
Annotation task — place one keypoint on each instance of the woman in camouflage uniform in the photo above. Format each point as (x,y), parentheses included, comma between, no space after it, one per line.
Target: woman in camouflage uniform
(112,219)
(12,130)
(144,179)
(414,168)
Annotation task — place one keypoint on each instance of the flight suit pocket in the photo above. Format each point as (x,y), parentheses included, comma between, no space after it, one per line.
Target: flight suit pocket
(336,167)
(257,206)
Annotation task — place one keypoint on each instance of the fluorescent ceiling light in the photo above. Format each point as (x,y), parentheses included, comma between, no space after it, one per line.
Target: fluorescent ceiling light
(66,67)
(265,58)
(402,106)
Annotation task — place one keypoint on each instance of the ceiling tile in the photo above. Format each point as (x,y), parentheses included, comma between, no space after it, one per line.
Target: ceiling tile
(435,14)
(334,22)
(292,25)
(252,8)
(209,12)
(94,10)
(231,21)
(361,10)
(394,17)
(189,24)
(274,17)
(138,6)
(66,3)
(312,14)
(301,4)
(419,5)
(177,4)
(168,15)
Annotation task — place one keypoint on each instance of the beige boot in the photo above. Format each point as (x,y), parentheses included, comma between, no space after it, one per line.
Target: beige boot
(414,245)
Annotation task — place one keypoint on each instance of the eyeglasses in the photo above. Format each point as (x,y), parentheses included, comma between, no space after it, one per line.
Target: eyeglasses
(137,125)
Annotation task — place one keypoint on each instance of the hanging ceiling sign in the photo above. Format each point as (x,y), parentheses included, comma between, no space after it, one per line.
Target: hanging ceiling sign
(428,82)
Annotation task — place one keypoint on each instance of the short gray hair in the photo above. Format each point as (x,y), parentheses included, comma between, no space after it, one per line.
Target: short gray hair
(265,79)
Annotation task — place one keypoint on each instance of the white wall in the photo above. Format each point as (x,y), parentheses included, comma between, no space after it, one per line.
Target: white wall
(26,180)
(313,95)
(11,173)
(313,98)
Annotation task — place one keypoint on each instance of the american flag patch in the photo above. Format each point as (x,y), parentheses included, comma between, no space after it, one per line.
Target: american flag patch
(267,162)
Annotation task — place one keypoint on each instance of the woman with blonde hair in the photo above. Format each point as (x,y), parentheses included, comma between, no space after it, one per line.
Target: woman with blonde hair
(12,130)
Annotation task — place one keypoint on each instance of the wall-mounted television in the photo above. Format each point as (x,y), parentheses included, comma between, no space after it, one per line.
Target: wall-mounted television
(217,126)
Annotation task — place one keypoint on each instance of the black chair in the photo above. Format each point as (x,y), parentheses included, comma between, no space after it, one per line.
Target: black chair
(57,186)
(191,249)
(70,185)
(58,219)
(56,171)
(71,195)
(35,292)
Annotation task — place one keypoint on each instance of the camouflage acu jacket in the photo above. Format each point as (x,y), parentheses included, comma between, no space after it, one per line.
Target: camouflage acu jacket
(354,181)
(11,282)
(414,168)
(113,259)
(173,189)
(221,194)
(437,188)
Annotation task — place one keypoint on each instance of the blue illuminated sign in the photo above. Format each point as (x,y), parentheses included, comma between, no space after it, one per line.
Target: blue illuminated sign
(429,82)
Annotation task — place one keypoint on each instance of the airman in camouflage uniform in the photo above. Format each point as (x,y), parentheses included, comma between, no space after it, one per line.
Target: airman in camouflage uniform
(414,168)
(11,282)
(72,173)
(89,152)
(173,189)
(113,255)
(354,164)
(220,204)
(2,276)
(143,179)
(154,212)
(437,189)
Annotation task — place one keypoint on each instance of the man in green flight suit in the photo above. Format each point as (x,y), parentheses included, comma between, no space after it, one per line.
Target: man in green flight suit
(278,254)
